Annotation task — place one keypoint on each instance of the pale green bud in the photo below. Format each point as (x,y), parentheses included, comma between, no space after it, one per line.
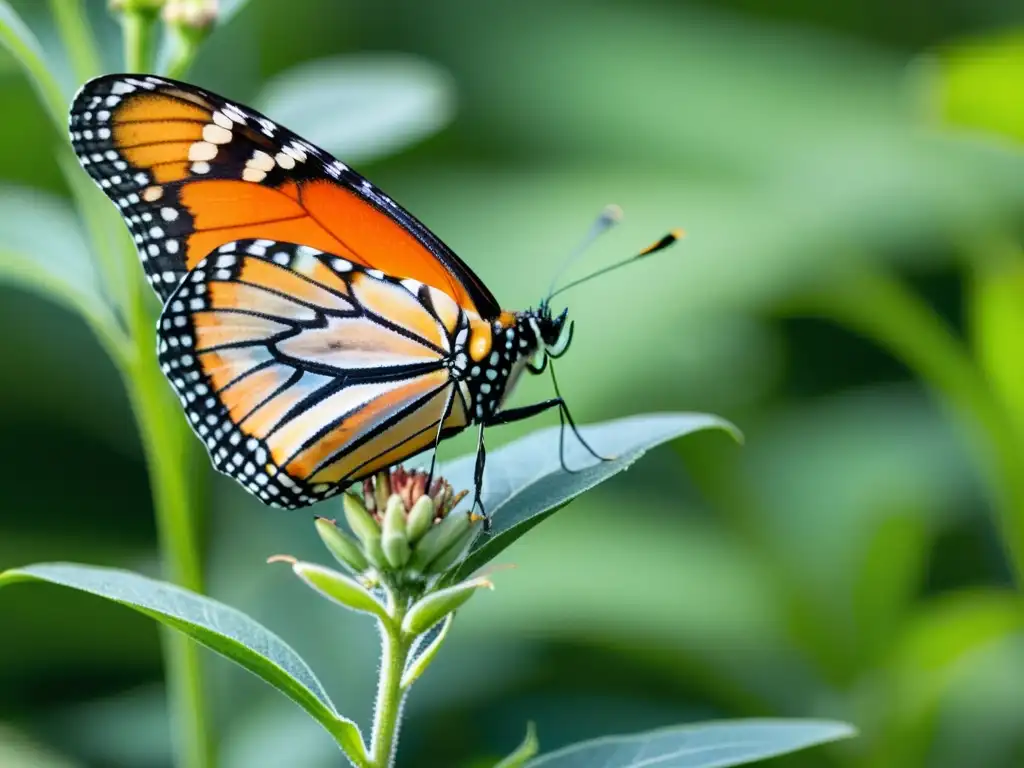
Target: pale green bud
(393,536)
(365,528)
(421,518)
(345,549)
(451,555)
(340,588)
(382,489)
(435,606)
(191,14)
(438,539)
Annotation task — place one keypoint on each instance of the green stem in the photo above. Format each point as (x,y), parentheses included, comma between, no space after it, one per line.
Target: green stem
(76,35)
(395,648)
(138,27)
(884,310)
(186,46)
(172,459)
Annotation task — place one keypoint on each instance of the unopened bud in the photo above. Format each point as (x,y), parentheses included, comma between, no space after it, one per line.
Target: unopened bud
(191,14)
(339,588)
(382,490)
(344,548)
(394,541)
(435,606)
(453,553)
(421,518)
(438,539)
(365,528)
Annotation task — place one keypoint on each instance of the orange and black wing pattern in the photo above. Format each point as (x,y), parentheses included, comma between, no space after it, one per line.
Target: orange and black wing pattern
(303,371)
(190,171)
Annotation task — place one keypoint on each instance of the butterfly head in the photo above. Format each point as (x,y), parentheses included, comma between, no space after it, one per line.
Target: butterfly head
(552,334)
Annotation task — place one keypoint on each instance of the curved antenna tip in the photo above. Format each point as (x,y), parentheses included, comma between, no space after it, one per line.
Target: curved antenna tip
(678,233)
(612,213)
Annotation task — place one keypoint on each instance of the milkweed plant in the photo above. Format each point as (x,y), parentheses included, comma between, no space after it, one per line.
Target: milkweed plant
(408,551)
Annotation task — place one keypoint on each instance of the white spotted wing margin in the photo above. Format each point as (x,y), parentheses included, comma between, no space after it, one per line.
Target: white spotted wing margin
(209,138)
(301,372)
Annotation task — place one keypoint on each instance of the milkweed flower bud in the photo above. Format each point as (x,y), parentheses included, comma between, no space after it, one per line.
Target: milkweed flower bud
(421,518)
(345,549)
(435,606)
(451,554)
(339,588)
(393,539)
(191,14)
(438,539)
(365,527)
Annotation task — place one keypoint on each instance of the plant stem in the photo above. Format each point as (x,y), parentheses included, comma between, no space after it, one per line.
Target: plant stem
(390,696)
(171,453)
(884,310)
(137,26)
(183,54)
(76,35)
(171,457)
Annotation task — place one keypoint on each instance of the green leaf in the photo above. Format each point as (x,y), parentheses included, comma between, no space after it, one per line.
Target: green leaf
(710,745)
(527,749)
(18,39)
(424,650)
(362,107)
(43,249)
(939,644)
(215,625)
(18,750)
(977,83)
(525,482)
(228,8)
(996,307)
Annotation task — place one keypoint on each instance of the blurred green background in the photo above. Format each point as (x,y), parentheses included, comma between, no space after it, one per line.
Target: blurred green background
(851,293)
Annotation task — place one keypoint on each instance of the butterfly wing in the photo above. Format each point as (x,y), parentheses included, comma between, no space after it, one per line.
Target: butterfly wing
(303,372)
(190,171)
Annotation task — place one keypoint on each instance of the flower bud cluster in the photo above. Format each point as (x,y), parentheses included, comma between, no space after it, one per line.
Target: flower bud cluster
(191,14)
(404,535)
(401,528)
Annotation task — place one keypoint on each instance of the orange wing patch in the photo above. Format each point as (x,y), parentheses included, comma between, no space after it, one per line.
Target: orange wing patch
(190,171)
(242,397)
(357,342)
(291,379)
(217,329)
(358,424)
(397,305)
(274,277)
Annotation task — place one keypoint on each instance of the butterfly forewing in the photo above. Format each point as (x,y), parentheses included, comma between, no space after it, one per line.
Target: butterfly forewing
(294,378)
(190,171)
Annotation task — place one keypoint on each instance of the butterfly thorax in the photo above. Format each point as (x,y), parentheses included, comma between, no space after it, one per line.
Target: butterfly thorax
(496,353)
(494,356)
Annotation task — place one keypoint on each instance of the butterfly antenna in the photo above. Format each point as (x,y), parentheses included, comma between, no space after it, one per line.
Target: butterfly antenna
(610,216)
(660,245)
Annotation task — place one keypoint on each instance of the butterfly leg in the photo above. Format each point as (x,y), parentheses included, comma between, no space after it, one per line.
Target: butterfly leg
(440,432)
(478,478)
(526,411)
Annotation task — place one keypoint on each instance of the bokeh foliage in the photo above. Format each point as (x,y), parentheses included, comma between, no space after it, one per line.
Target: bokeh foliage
(850,292)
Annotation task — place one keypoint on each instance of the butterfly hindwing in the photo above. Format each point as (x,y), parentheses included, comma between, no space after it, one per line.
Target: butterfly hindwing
(290,377)
(190,171)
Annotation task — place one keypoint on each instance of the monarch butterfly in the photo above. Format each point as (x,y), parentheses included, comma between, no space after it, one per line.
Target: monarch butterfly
(313,329)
